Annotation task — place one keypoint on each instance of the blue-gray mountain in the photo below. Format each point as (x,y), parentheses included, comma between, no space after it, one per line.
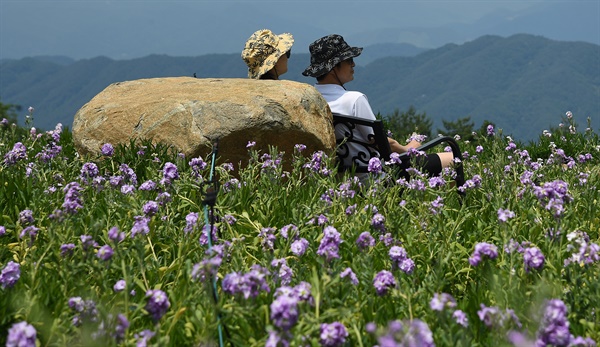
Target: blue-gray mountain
(522,83)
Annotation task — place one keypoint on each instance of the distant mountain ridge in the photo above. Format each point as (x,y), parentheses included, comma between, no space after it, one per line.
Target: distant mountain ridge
(523,83)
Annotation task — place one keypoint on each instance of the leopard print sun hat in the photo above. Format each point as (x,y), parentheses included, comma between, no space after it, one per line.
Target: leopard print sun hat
(263,49)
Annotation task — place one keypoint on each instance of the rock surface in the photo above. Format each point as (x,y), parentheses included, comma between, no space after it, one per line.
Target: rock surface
(190,113)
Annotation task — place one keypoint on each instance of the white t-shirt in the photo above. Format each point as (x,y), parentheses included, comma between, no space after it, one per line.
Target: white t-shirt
(349,103)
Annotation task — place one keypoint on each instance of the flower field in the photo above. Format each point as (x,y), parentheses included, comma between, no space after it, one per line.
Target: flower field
(140,246)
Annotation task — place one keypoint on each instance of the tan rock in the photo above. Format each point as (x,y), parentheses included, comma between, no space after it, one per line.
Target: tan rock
(189,113)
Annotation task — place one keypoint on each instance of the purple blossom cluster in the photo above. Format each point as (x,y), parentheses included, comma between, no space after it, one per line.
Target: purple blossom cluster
(267,238)
(17,153)
(472,183)
(170,173)
(483,249)
(439,302)
(21,334)
(10,274)
(401,260)
(318,163)
(284,273)
(383,282)
(299,246)
(107,150)
(85,311)
(330,243)
(114,328)
(72,202)
(285,312)
(505,215)
(443,301)
(494,317)
(553,195)
(140,226)
(554,327)
(158,303)
(375,166)
(333,334)
(533,258)
(365,240)
(584,251)
(405,333)
(249,285)
(350,274)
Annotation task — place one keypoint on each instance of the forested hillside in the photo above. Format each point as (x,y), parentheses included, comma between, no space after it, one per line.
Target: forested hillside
(522,83)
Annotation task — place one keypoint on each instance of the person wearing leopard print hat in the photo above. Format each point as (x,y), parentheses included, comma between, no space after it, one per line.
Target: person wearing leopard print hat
(267,54)
(332,64)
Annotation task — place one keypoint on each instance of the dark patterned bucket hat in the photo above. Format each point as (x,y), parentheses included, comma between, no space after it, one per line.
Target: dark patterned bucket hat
(263,49)
(328,51)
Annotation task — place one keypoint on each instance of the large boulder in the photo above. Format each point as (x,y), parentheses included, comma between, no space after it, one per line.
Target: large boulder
(190,113)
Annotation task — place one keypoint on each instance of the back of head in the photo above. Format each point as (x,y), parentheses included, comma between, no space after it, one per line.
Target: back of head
(263,49)
(327,52)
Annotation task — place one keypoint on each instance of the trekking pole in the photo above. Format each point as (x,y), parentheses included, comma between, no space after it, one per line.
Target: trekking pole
(210,200)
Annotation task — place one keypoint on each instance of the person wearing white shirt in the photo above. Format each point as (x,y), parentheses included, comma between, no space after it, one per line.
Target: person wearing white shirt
(332,64)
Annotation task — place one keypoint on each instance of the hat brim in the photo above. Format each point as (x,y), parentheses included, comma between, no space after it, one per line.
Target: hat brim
(319,69)
(286,40)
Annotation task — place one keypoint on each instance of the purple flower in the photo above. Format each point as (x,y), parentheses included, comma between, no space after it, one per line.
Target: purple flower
(284,312)
(349,273)
(330,243)
(204,236)
(143,338)
(285,272)
(285,231)
(72,202)
(19,152)
(493,317)
(150,208)
(128,174)
(299,147)
(87,242)
(191,222)
(107,150)
(120,286)
(441,301)
(206,269)
(384,280)
(299,247)
(21,334)
(148,186)
(66,249)
(397,253)
(267,237)
(460,318)
(504,215)
(533,259)
(378,222)
(127,189)
(553,195)
(318,163)
(105,253)
(115,235)
(170,172)
(483,248)
(365,240)
(10,274)
(2,230)
(490,130)
(249,284)
(158,303)
(140,225)
(85,309)
(407,266)
(333,334)
(89,171)
(375,165)
(26,217)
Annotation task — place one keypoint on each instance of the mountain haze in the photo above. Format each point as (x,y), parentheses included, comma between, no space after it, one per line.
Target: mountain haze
(522,83)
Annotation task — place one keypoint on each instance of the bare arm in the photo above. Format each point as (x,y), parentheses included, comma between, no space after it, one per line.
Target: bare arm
(395,146)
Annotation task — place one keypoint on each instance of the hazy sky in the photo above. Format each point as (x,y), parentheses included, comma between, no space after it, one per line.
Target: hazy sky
(124,29)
